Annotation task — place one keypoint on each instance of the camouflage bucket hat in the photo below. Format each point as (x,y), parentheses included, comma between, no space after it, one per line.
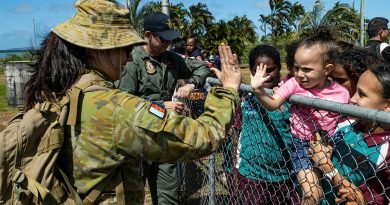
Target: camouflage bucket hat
(98,24)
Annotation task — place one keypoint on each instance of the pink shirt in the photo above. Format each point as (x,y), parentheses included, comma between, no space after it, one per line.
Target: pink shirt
(305,120)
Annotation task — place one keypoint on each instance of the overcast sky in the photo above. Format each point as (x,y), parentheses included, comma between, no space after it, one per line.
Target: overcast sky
(17,16)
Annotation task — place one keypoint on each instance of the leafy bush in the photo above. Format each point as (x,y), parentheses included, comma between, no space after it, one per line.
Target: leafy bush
(13,57)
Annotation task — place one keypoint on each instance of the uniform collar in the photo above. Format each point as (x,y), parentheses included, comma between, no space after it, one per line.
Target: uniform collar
(141,52)
(372,139)
(96,76)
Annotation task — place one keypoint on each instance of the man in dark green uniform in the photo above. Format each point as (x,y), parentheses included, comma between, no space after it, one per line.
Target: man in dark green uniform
(153,75)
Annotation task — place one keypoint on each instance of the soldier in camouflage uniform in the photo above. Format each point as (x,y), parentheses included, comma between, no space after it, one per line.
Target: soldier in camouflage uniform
(153,75)
(113,131)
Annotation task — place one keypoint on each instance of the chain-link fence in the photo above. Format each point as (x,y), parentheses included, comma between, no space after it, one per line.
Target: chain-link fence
(261,159)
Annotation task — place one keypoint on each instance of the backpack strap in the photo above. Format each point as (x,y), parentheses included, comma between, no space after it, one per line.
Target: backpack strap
(73,193)
(87,83)
(40,192)
(116,177)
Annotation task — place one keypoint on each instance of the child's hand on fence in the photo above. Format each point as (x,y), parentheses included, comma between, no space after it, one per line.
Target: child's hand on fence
(320,153)
(349,193)
(260,77)
(230,74)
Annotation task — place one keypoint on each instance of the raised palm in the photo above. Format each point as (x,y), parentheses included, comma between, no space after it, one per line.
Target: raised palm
(260,77)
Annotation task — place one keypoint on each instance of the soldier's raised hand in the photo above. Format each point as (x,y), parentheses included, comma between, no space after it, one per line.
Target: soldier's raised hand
(230,74)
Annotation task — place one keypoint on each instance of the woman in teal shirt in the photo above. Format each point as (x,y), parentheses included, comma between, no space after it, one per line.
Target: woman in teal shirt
(258,167)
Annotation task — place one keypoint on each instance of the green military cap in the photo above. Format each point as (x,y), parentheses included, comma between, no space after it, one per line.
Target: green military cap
(99,24)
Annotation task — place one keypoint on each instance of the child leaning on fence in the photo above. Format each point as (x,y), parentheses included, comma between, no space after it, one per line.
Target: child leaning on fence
(258,171)
(361,153)
(314,63)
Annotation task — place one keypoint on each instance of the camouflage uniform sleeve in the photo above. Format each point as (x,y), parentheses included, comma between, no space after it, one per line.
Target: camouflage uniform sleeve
(129,80)
(175,137)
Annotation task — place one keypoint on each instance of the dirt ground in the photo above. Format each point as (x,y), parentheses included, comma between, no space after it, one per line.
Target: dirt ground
(5,117)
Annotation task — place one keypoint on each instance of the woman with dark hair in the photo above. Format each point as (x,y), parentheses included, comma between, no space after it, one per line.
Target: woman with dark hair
(361,154)
(59,65)
(113,131)
(258,163)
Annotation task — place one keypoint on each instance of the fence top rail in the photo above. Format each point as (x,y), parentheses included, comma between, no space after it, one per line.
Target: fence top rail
(373,115)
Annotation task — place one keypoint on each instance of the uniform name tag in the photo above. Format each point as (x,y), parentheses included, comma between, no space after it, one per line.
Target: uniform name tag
(157,109)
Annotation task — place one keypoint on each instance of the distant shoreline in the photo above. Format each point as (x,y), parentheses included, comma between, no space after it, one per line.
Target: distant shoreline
(14,51)
(5,53)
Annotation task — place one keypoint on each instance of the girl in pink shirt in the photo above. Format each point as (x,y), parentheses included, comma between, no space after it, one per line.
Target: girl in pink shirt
(313,62)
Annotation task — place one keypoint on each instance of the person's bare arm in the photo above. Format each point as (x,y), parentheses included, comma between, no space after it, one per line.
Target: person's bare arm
(321,156)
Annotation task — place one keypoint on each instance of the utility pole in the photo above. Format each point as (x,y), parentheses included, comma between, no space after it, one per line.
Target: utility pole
(165,4)
(35,35)
(362,31)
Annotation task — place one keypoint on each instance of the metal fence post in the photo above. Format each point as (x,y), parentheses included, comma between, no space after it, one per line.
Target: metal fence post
(212,179)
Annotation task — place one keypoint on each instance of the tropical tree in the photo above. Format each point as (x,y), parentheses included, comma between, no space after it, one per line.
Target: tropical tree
(342,18)
(238,33)
(283,17)
(178,16)
(312,19)
(200,19)
(137,14)
(280,11)
(297,11)
(265,20)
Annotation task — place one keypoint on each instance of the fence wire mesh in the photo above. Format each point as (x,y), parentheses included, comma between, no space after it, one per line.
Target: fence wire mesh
(255,164)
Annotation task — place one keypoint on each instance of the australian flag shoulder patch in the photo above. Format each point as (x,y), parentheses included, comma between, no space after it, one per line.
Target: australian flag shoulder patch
(158,109)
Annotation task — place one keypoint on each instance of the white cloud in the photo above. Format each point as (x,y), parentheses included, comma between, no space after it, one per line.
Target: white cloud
(23,8)
(262,5)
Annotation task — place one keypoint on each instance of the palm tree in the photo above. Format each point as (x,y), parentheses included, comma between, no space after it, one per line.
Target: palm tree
(237,33)
(280,12)
(178,18)
(297,11)
(137,14)
(342,18)
(265,20)
(311,20)
(283,17)
(200,19)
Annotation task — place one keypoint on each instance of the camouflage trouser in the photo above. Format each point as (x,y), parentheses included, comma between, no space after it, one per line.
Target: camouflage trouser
(163,180)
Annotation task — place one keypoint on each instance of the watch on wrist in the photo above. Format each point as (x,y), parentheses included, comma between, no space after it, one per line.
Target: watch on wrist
(332,174)
(192,81)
